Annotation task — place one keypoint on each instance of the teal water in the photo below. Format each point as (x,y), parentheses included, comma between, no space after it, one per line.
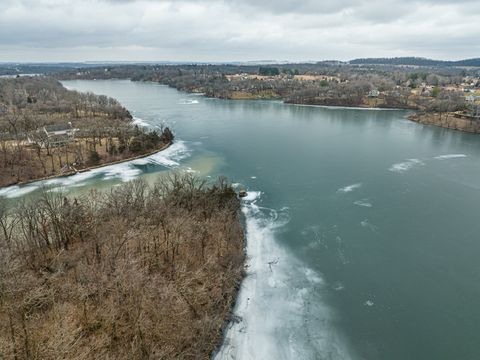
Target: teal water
(363,227)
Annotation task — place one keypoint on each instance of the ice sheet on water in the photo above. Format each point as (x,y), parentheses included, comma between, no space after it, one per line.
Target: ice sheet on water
(169,157)
(16,191)
(276,298)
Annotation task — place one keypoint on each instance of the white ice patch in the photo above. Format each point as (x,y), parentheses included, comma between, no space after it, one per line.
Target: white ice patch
(364,203)
(169,157)
(349,188)
(188,102)
(72,180)
(450,156)
(406,165)
(140,122)
(17,191)
(279,313)
(124,171)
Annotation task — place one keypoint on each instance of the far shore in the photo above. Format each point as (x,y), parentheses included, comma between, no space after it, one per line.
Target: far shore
(347,107)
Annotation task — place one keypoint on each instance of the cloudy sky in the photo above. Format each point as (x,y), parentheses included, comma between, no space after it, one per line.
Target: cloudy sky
(229,30)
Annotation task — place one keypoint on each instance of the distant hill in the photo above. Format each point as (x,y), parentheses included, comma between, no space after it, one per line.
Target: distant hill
(415,61)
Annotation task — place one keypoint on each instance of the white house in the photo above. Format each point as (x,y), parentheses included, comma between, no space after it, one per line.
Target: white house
(53,135)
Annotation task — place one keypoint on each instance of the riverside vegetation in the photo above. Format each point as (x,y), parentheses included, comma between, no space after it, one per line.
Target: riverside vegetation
(437,90)
(143,271)
(47,130)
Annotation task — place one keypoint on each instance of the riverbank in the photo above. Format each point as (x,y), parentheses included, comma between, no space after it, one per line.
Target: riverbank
(448,121)
(363,102)
(354,105)
(89,168)
(138,272)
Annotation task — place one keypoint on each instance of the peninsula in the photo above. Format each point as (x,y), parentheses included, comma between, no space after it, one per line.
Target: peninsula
(47,130)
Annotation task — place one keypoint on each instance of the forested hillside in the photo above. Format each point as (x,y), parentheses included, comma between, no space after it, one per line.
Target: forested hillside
(140,272)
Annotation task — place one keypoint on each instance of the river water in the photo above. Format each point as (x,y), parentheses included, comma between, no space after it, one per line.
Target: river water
(362,227)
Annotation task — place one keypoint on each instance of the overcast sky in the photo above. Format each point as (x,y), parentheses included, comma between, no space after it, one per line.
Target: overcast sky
(229,30)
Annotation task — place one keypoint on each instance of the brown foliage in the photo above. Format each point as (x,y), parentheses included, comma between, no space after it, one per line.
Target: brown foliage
(141,272)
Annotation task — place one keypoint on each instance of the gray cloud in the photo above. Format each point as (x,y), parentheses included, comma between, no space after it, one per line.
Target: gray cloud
(216,30)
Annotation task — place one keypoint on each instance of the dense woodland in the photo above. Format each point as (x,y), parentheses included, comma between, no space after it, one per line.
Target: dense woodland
(101,130)
(140,272)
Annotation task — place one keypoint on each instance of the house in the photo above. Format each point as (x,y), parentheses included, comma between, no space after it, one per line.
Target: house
(373,93)
(470,98)
(60,135)
(53,135)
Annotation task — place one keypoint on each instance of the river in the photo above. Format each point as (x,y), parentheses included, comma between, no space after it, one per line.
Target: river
(362,227)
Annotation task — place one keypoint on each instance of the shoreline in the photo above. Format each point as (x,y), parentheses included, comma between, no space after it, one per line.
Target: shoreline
(344,107)
(252,98)
(280,99)
(89,168)
(446,121)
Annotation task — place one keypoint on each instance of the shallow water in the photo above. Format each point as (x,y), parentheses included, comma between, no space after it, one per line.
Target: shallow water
(362,226)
